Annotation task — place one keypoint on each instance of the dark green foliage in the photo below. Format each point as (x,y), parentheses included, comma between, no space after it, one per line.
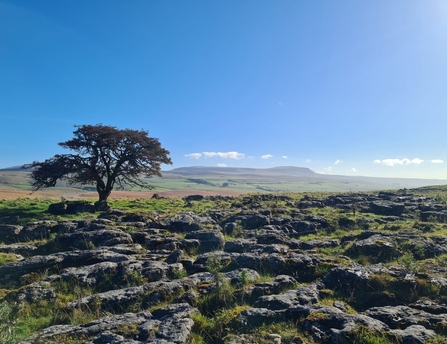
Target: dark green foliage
(105,156)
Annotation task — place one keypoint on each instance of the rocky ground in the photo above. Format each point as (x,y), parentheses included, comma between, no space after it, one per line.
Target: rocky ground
(351,268)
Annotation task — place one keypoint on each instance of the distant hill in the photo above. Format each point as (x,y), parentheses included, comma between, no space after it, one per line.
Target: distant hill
(296,179)
(242,171)
(232,180)
(13,169)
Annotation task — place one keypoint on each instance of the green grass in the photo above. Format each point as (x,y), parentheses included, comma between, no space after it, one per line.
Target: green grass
(219,308)
(7,258)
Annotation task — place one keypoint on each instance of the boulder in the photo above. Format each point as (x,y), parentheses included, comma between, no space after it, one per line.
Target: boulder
(187,222)
(90,239)
(8,233)
(377,247)
(240,245)
(303,296)
(414,334)
(250,221)
(386,208)
(36,231)
(401,317)
(331,325)
(254,317)
(23,250)
(210,240)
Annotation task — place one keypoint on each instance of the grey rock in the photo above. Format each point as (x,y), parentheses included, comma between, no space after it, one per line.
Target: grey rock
(210,240)
(31,294)
(401,317)
(380,248)
(304,227)
(36,230)
(414,334)
(89,274)
(23,250)
(250,221)
(172,324)
(346,278)
(145,295)
(440,216)
(108,337)
(303,295)
(8,233)
(331,325)
(12,272)
(240,245)
(253,317)
(187,222)
(90,239)
(429,307)
(387,208)
(235,275)
(175,257)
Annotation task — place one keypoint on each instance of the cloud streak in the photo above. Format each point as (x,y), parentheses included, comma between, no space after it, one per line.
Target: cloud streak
(267,156)
(194,155)
(397,162)
(437,161)
(223,155)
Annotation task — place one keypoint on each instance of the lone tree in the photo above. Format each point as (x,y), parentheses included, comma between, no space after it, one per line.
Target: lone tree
(105,157)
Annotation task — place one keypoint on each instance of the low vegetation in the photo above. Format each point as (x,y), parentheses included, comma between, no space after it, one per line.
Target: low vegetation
(283,267)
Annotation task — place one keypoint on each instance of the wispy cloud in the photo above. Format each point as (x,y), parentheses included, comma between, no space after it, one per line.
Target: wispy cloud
(437,161)
(280,103)
(285,157)
(224,155)
(396,162)
(194,155)
(338,161)
(353,169)
(267,156)
(221,165)
(307,161)
(329,168)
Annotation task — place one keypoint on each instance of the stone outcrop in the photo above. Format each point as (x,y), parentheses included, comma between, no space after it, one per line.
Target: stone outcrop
(149,274)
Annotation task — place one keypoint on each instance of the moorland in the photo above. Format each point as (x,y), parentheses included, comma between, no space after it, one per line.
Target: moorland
(352,267)
(179,182)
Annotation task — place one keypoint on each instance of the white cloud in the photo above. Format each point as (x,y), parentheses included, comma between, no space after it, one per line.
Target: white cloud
(329,168)
(395,162)
(221,165)
(437,161)
(337,161)
(417,161)
(285,157)
(194,155)
(353,169)
(267,156)
(224,155)
(307,161)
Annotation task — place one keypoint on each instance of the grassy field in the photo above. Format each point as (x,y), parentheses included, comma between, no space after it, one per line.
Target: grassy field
(14,184)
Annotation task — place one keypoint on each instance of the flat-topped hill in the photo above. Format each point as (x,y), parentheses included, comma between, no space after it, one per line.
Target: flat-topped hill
(208,180)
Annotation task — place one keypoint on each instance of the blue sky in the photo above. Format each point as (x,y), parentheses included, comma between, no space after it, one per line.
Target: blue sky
(341,87)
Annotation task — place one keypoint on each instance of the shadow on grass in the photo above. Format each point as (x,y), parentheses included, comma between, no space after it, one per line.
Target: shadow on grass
(21,211)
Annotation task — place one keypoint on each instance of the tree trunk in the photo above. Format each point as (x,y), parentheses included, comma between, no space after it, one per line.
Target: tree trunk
(103,194)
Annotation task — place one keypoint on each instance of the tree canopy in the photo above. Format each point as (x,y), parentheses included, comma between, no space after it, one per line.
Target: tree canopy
(105,157)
